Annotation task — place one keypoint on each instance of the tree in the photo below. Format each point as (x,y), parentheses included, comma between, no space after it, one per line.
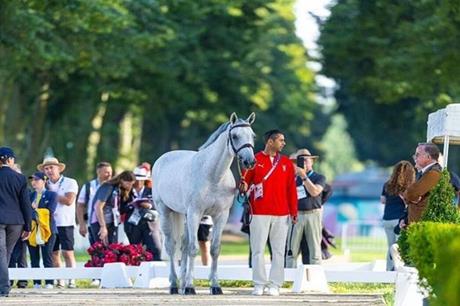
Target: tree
(394,63)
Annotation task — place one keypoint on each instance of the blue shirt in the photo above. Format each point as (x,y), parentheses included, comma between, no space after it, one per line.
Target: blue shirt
(394,206)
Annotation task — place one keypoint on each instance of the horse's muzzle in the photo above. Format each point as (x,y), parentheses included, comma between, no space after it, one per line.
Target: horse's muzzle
(249,164)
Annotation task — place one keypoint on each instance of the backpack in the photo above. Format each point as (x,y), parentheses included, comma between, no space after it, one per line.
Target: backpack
(326,194)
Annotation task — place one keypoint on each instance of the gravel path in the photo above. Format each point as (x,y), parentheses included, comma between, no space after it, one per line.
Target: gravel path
(232,296)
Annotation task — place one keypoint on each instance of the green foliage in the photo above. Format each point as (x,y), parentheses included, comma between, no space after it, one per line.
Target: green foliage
(441,206)
(433,246)
(403,244)
(339,151)
(393,65)
(185,65)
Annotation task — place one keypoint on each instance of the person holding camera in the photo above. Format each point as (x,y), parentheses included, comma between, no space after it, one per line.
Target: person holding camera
(310,185)
(105,216)
(141,219)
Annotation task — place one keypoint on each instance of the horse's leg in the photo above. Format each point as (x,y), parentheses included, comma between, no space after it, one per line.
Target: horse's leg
(219,223)
(184,259)
(193,220)
(167,226)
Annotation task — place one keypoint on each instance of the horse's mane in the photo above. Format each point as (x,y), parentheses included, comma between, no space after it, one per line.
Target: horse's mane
(217,133)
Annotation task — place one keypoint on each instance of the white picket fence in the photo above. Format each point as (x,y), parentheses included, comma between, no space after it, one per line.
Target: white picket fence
(305,278)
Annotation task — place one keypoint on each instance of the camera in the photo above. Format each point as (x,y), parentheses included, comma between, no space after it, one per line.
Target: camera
(150,215)
(301,162)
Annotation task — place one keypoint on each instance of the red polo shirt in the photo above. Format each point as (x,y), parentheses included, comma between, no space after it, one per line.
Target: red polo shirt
(279,190)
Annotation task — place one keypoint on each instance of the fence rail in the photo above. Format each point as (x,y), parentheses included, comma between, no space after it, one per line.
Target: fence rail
(360,235)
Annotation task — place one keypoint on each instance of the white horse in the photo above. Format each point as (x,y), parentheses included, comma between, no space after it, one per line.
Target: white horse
(191,184)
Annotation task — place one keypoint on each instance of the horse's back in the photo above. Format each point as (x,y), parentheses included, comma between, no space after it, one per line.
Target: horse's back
(168,173)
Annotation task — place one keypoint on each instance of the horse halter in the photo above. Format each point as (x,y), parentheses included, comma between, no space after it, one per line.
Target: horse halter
(246,145)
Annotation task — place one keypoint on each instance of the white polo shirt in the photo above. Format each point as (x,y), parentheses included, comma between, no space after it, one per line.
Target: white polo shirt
(93,186)
(64,214)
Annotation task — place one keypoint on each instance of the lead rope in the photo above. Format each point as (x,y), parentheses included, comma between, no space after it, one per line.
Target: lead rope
(243,198)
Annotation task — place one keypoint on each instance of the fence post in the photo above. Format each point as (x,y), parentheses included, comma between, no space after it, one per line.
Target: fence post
(114,275)
(407,290)
(150,276)
(310,278)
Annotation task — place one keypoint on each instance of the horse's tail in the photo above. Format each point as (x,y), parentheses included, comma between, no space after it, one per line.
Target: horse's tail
(177,230)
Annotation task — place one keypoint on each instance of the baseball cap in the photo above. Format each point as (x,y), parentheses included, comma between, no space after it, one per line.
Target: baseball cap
(6,152)
(39,176)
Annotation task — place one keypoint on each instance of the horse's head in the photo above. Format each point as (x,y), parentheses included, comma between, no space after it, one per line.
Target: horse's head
(241,139)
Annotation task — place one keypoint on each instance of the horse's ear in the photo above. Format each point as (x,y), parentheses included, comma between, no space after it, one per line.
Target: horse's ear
(251,118)
(233,118)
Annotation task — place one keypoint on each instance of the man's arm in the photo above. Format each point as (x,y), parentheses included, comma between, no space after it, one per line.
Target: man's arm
(292,193)
(417,190)
(26,207)
(313,189)
(67,199)
(247,177)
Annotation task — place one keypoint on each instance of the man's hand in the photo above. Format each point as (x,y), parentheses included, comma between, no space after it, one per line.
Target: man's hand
(243,187)
(300,172)
(103,233)
(83,230)
(402,224)
(145,205)
(294,219)
(25,235)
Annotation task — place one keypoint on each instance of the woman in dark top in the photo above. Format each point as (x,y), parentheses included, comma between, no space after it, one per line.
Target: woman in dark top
(403,175)
(141,223)
(106,216)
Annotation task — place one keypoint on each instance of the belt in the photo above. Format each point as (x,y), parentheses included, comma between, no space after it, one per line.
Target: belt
(310,211)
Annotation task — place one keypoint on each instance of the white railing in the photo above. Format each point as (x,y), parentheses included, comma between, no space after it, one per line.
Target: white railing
(155,274)
(360,235)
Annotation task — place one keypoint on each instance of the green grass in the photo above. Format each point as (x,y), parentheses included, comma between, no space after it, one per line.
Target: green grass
(235,248)
(373,288)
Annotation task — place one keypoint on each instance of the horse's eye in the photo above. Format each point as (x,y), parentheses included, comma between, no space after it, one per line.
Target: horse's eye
(235,137)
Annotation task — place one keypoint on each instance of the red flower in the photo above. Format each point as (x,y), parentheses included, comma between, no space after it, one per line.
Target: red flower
(117,252)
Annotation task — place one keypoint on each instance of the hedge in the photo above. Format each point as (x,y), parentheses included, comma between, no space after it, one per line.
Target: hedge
(434,249)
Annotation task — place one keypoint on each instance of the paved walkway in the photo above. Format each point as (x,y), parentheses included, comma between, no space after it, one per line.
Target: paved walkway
(160,297)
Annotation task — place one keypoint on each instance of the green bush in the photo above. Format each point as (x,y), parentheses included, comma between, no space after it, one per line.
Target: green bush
(433,248)
(441,206)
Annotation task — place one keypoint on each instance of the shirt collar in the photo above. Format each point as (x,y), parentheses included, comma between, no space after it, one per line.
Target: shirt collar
(427,166)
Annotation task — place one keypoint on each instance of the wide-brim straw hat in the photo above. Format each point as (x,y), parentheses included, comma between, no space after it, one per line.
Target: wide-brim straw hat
(306,154)
(48,161)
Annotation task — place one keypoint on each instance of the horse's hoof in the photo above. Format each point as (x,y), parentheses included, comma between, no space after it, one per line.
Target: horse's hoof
(216,290)
(189,291)
(173,290)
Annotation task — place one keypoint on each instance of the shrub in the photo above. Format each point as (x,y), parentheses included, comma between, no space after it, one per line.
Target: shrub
(441,206)
(433,248)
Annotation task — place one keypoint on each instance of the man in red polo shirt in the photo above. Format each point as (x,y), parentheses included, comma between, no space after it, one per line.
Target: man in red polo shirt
(274,205)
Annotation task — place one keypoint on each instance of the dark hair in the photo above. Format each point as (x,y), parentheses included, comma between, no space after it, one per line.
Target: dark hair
(127,176)
(103,164)
(272,134)
(431,149)
(403,175)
